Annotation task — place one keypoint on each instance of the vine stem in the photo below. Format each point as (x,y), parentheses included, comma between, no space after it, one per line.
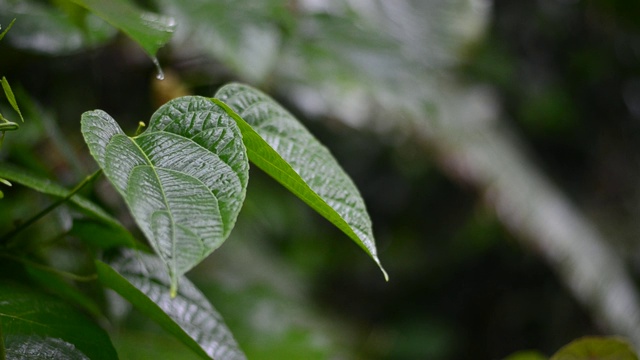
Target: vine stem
(49,208)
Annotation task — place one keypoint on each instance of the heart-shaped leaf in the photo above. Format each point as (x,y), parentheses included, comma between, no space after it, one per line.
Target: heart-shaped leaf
(189,316)
(281,146)
(184,179)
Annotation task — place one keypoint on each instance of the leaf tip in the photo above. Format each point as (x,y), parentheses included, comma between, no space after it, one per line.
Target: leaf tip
(384,272)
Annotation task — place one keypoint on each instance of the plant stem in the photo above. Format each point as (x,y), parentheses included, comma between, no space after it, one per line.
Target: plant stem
(49,208)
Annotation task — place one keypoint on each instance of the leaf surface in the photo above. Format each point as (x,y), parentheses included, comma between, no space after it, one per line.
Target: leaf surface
(141,279)
(184,179)
(281,146)
(34,324)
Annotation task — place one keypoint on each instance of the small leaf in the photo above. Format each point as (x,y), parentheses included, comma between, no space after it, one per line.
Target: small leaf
(2,34)
(7,125)
(602,348)
(141,279)
(39,322)
(281,146)
(184,178)
(25,178)
(150,30)
(12,99)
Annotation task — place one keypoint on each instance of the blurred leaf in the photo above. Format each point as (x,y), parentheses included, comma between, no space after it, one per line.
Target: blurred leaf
(600,348)
(141,279)
(145,344)
(149,30)
(281,146)
(46,186)
(35,322)
(47,29)
(184,178)
(9,94)
(103,235)
(63,289)
(244,34)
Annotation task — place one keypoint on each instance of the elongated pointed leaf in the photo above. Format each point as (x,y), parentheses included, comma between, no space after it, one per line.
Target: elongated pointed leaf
(141,279)
(2,34)
(184,179)
(10,97)
(149,30)
(35,322)
(282,147)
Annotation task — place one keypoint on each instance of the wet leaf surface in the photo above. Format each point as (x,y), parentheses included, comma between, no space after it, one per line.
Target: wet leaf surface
(184,179)
(281,146)
(141,279)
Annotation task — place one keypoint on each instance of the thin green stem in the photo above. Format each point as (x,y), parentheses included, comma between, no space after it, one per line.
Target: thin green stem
(49,208)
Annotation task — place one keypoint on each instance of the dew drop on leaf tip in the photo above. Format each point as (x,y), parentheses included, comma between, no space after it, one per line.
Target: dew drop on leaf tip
(160,74)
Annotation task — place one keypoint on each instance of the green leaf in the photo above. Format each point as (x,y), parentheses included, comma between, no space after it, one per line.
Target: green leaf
(246,35)
(184,179)
(2,34)
(141,279)
(281,146)
(9,94)
(148,29)
(34,323)
(602,348)
(46,186)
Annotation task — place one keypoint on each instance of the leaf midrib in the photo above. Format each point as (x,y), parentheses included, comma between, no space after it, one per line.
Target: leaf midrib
(164,199)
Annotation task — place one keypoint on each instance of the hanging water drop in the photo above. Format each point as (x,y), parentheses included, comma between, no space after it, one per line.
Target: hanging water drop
(160,74)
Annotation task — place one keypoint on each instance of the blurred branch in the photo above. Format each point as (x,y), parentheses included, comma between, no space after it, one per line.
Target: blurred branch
(487,156)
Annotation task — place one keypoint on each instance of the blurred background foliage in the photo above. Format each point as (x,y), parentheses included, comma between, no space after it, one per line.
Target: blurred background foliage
(496,144)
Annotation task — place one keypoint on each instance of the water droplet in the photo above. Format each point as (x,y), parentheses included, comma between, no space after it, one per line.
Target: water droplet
(160,74)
